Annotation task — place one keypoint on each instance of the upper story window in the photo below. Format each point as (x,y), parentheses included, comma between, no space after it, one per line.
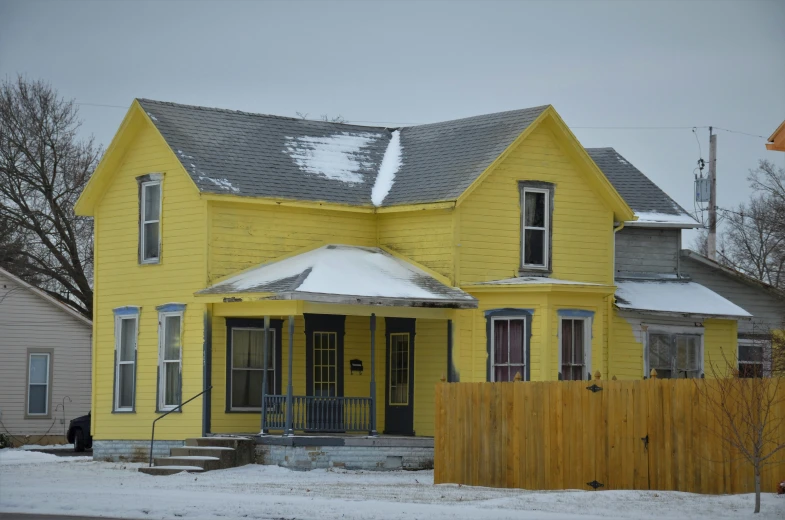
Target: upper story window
(536,216)
(150,220)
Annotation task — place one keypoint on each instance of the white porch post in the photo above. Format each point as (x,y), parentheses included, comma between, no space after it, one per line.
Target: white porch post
(289,391)
(264,373)
(373,376)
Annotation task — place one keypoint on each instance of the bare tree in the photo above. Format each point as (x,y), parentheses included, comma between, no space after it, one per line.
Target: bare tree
(43,168)
(750,409)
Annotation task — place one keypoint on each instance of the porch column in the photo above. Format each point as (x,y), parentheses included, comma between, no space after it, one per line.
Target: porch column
(373,376)
(264,373)
(289,391)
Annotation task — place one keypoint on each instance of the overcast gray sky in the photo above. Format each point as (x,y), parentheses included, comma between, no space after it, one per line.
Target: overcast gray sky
(600,63)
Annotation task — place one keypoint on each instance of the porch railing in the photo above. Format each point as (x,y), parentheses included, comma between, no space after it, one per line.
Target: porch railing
(319,414)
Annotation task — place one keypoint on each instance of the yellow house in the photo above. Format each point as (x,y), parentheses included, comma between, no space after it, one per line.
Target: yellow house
(777,140)
(331,274)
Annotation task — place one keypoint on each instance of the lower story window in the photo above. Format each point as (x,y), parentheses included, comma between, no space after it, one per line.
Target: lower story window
(675,355)
(38,384)
(573,349)
(753,357)
(170,360)
(248,367)
(508,348)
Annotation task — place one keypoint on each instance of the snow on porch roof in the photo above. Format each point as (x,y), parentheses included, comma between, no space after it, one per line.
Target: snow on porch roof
(674,297)
(344,274)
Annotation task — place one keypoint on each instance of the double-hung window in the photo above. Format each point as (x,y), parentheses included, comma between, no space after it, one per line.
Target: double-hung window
(536,214)
(247,370)
(170,325)
(574,349)
(675,355)
(39,379)
(150,222)
(754,358)
(126,327)
(508,348)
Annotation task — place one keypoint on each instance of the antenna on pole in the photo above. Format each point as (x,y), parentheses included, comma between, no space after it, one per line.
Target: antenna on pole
(712,242)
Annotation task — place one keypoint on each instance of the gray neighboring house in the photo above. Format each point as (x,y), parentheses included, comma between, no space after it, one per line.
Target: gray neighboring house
(665,306)
(45,363)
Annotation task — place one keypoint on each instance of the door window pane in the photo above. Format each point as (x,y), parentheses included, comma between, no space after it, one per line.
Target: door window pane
(325,383)
(399,369)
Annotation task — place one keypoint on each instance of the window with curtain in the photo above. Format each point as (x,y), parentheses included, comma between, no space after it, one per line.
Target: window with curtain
(170,367)
(573,349)
(150,222)
(248,367)
(674,355)
(535,205)
(38,384)
(754,358)
(508,348)
(125,368)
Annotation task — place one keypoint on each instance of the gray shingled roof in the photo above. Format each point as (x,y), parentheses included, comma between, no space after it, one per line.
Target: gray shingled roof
(247,154)
(640,193)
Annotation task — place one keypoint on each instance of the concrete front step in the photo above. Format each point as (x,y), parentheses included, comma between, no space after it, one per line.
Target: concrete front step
(206,463)
(244,447)
(170,470)
(228,456)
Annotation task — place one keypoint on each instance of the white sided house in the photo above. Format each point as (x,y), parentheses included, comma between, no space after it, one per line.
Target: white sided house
(45,364)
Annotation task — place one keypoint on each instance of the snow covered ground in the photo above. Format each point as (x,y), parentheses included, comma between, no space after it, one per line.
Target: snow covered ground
(42,483)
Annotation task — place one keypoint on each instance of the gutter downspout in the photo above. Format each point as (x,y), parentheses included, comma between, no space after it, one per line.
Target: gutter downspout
(606,368)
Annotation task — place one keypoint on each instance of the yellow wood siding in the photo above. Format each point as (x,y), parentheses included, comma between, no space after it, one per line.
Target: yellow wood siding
(243,235)
(490,240)
(720,345)
(121,281)
(424,236)
(430,364)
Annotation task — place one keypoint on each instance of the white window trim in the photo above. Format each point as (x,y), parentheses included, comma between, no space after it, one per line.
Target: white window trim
(672,329)
(587,328)
(765,344)
(48,382)
(162,364)
(494,319)
(142,221)
(545,229)
(117,340)
(270,351)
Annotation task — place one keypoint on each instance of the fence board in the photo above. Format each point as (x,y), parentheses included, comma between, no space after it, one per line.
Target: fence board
(652,434)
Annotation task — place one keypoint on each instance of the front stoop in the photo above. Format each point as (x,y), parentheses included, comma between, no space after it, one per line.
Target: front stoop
(204,454)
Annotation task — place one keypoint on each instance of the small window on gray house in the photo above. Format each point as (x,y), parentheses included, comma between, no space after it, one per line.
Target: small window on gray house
(535,225)
(150,222)
(754,358)
(38,379)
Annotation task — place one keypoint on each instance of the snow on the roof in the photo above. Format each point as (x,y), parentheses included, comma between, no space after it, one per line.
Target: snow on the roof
(653,217)
(339,157)
(224,184)
(534,280)
(342,270)
(389,167)
(674,297)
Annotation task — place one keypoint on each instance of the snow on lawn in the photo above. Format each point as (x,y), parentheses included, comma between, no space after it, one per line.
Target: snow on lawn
(47,447)
(19,456)
(84,487)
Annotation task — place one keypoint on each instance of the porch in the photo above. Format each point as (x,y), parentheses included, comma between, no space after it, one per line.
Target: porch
(364,363)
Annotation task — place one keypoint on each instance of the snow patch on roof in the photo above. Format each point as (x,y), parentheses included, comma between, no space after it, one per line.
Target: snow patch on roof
(339,157)
(674,297)
(653,217)
(152,116)
(387,170)
(224,184)
(342,270)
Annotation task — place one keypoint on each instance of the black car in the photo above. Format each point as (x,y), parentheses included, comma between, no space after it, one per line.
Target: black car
(79,433)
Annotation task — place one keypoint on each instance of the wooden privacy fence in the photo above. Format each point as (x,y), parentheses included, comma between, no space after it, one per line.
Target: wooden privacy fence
(652,434)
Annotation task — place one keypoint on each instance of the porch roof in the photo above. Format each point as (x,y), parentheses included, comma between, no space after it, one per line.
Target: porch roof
(344,274)
(675,298)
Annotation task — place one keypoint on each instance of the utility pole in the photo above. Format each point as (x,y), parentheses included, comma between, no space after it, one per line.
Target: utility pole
(712,243)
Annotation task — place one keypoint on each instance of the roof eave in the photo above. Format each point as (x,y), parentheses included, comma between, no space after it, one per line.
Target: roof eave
(341,299)
(743,278)
(670,225)
(685,314)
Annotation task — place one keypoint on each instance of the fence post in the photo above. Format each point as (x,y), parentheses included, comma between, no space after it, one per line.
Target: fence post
(597,375)
(653,374)
(517,376)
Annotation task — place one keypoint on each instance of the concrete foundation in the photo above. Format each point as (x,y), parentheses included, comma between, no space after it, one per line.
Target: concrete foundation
(131,451)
